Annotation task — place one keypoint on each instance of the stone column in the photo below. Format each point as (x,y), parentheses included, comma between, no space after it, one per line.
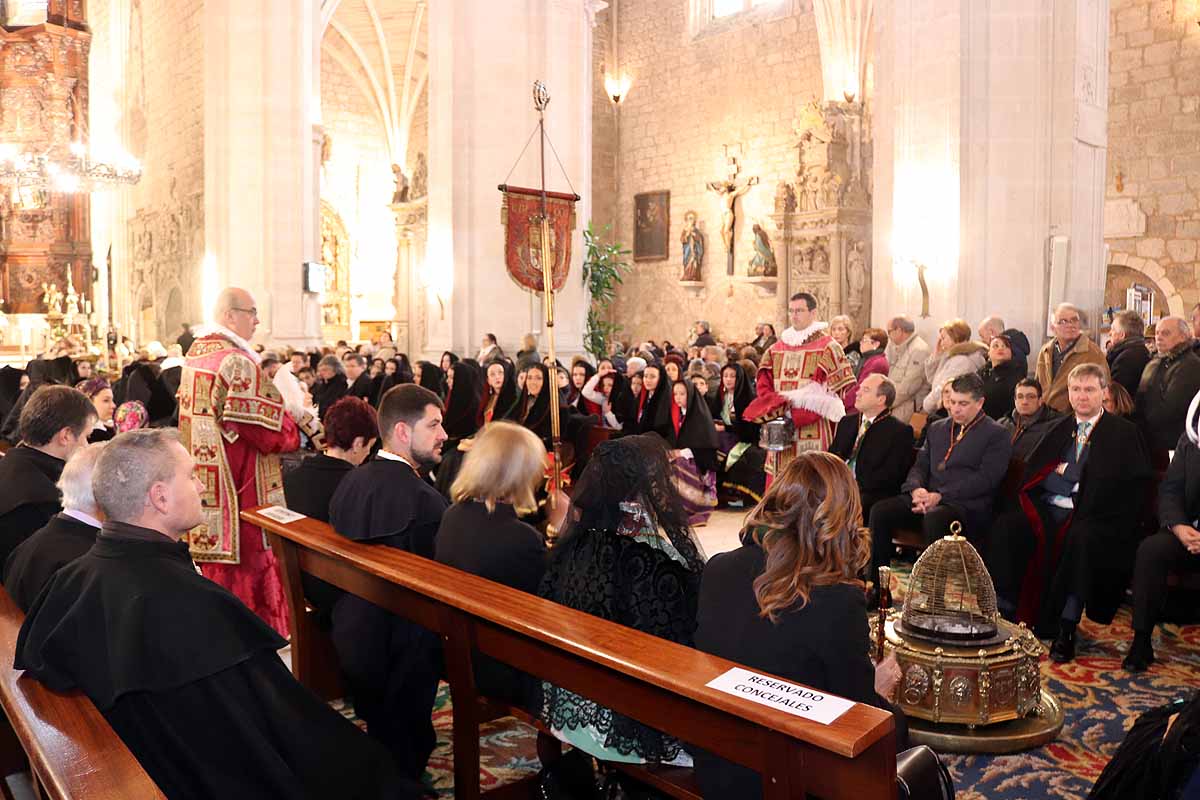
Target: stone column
(480,114)
(990,122)
(259,167)
(412,230)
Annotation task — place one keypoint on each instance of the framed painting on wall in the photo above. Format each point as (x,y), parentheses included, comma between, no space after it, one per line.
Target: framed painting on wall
(651,218)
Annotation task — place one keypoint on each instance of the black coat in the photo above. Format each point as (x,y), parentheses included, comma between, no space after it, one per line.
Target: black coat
(29,496)
(1102,532)
(1127,361)
(183,697)
(362,388)
(884,457)
(1025,434)
(309,490)
(1179,493)
(326,393)
(1168,385)
(999,383)
(500,547)
(704,340)
(974,471)
(36,559)
(823,645)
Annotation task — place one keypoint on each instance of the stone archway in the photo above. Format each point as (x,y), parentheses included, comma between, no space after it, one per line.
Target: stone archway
(1156,274)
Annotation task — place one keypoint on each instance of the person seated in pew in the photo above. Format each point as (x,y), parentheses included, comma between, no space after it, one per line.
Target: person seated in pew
(876,446)
(1175,547)
(187,675)
(1030,419)
(789,602)
(742,478)
(628,556)
(687,427)
(54,423)
(67,536)
(482,533)
(955,477)
(1071,545)
(351,429)
(391,665)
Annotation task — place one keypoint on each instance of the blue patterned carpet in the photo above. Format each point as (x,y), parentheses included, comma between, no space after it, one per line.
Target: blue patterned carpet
(1100,701)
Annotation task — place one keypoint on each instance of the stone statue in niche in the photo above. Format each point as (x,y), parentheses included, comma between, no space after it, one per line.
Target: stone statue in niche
(820,259)
(831,190)
(72,297)
(400,195)
(856,277)
(420,178)
(762,263)
(693,248)
(810,191)
(785,198)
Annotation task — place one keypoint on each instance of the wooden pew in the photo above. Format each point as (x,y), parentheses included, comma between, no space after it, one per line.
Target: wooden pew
(61,737)
(657,682)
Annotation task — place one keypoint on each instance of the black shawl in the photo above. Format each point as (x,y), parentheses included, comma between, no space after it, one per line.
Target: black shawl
(432,377)
(575,394)
(462,405)
(656,408)
(507,395)
(534,412)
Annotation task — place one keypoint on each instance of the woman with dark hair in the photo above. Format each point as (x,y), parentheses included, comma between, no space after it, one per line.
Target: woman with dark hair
(604,392)
(460,420)
(101,395)
(430,376)
(692,437)
(653,401)
(673,365)
(499,391)
(1000,377)
(742,476)
(532,408)
(626,555)
(351,429)
(581,373)
(789,601)
(447,360)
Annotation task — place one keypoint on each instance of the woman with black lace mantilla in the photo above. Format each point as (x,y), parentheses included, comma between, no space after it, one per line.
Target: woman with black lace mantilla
(627,556)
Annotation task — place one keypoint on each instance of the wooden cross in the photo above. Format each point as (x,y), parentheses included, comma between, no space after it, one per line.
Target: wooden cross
(729,191)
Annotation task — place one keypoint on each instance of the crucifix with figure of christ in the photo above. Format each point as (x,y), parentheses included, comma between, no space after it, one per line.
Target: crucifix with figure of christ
(729,191)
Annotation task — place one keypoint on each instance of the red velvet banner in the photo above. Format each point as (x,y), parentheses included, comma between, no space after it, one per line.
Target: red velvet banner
(520,213)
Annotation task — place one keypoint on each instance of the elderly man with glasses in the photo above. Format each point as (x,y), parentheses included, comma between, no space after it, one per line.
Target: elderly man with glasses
(234,423)
(1068,349)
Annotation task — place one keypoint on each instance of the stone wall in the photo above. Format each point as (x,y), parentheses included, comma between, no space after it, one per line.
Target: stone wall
(1152,219)
(148,98)
(741,82)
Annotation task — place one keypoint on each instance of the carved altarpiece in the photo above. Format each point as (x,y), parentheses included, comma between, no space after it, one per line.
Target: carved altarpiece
(43,109)
(335,255)
(823,217)
(167,245)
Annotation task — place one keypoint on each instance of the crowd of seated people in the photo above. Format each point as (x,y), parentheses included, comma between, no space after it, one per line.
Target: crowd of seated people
(1074,482)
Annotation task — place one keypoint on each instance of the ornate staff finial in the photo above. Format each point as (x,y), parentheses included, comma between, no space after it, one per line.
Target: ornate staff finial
(541,96)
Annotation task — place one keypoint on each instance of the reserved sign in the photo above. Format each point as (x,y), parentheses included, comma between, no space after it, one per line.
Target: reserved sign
(788,697)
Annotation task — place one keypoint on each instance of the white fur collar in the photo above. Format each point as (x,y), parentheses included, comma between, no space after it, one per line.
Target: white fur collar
(220,330)
(795,338)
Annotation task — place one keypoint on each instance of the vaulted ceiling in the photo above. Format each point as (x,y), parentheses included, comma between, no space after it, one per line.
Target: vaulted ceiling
(383,46)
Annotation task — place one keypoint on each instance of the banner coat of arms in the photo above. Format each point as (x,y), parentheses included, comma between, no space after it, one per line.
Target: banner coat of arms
(520,213)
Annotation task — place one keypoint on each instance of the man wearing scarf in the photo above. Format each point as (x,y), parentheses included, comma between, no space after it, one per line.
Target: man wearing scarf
(234,422)
(806,373)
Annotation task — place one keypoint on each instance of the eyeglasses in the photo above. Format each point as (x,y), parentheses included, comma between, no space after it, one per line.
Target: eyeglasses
(251,311)
(1072,322)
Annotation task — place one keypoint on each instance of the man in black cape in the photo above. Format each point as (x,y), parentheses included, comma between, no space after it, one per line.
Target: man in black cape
(66,537)
(392,665)
(54,423)
(187,676)
(1071,545)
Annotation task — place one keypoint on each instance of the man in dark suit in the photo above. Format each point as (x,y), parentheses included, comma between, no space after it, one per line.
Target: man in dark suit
(876,445)
(357,375)
(1071,545)
(1168,385)
(955,478)
(1128,354)
(1030,418)
(1176,546)
(54,423)
(66,537)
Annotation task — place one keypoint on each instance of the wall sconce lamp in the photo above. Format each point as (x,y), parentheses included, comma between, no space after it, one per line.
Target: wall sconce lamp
(919,268)
(617,88)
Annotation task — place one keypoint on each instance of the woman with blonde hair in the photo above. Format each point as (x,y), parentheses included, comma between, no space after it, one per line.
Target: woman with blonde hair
(955,354)
(841,328)
(482,532)
(789,601)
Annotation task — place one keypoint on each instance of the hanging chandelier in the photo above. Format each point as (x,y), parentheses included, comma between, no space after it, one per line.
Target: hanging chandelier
(77,173)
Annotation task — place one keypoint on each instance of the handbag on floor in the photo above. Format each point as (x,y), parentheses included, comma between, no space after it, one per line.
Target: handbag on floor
(921,775)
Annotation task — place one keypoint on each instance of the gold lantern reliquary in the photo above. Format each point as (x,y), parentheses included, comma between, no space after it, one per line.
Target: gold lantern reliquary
(960,661)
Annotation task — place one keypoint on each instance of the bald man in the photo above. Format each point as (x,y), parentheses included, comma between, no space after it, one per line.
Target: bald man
(1168,384)
(234,423)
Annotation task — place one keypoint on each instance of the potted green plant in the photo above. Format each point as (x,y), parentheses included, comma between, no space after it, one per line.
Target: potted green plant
(602,273)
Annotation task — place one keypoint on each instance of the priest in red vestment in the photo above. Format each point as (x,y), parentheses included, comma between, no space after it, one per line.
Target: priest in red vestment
(807,373)
(234,423)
